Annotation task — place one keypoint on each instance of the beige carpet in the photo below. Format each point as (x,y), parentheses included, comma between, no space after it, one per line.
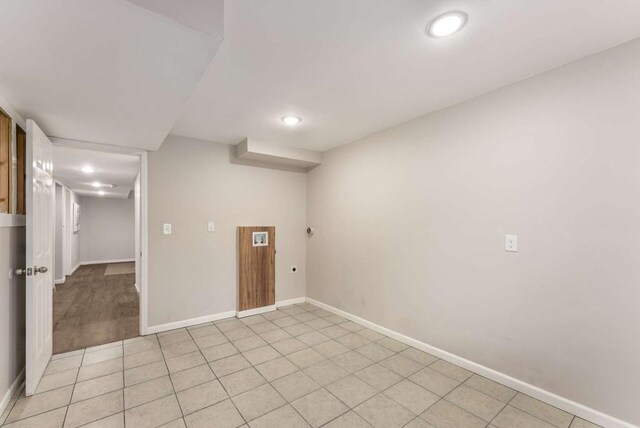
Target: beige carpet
(120,268)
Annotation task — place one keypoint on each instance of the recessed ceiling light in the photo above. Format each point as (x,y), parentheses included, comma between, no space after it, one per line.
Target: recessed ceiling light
(96,184)
(88,169)
(291,120)
(101,192)
(447,24)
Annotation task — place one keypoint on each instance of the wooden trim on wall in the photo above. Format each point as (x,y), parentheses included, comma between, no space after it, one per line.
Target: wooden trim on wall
(256,269)
(5,163)
(21,156)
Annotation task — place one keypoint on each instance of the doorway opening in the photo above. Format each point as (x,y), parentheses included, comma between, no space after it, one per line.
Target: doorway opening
(97,270)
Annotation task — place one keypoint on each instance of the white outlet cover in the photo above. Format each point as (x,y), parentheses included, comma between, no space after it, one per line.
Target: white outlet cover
(211,226)
(166,229)
(511,243)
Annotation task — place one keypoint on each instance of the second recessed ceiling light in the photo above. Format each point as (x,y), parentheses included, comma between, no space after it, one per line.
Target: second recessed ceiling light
(291,120)
(447,24)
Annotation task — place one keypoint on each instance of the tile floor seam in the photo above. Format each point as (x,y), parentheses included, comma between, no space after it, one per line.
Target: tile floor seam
(498,414)
(537,417)
(221,384)
(172,385)
(36,414)
(491,396)
(285,400)
(232,402)
(104,417)
(395,401)
(478,391)
(66,413)
(486,424)
(264,378)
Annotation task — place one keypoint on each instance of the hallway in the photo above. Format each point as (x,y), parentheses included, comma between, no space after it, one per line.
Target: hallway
(97,304)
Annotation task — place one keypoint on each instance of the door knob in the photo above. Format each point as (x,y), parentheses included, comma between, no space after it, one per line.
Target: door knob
(41,269)
(20,271)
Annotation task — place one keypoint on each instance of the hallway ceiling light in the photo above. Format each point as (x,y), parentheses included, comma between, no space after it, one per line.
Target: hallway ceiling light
(291,120)
(88,169)
(101,193)
(447,24)
(98,185)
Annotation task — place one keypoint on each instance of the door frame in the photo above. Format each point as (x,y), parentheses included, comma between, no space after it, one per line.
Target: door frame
(144,216)
(68,232)
(63,235)
(144,243)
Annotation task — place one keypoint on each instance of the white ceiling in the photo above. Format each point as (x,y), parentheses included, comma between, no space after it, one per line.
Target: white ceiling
(121,72)
(110,168)
(202,15)
(103,71)
(352,67)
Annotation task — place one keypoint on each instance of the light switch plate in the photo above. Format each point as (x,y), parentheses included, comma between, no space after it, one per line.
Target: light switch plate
(211,226)
(166,229)
(511,243)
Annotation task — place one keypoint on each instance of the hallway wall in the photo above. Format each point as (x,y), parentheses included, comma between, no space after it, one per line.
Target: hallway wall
(58,273)
(107,229)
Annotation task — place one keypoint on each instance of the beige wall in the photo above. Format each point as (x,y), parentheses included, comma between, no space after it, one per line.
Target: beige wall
(192,273)
(107,229)
(410,224)
(12,306)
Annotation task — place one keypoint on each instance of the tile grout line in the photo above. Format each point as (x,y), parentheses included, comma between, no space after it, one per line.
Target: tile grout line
(218,379)
(537,417)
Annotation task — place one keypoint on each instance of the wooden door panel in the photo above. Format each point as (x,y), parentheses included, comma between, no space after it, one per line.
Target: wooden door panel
(256,269)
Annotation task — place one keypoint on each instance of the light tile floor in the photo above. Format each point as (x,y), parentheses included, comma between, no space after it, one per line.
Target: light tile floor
(299,366)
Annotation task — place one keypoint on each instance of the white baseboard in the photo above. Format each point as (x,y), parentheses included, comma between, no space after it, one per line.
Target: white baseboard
(215,317)
(75,268)
(256,311)
(562,403)
(100,262)
(60,281)
(15,386)
(289,302)
(187,323)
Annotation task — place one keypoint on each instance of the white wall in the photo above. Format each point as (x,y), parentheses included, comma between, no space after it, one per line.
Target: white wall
(107,231)
(59,232)
(192,273)
(12,306)
(410,225)
(75,236)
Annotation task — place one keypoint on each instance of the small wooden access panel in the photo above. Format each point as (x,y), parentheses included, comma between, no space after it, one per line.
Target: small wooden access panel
(256,270)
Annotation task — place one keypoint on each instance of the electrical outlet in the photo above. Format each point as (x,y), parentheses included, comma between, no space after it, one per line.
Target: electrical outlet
(211,226)
(511,243)
(294,269)
(166,228)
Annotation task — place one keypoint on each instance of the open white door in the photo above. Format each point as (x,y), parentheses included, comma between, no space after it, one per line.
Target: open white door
(40,189)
